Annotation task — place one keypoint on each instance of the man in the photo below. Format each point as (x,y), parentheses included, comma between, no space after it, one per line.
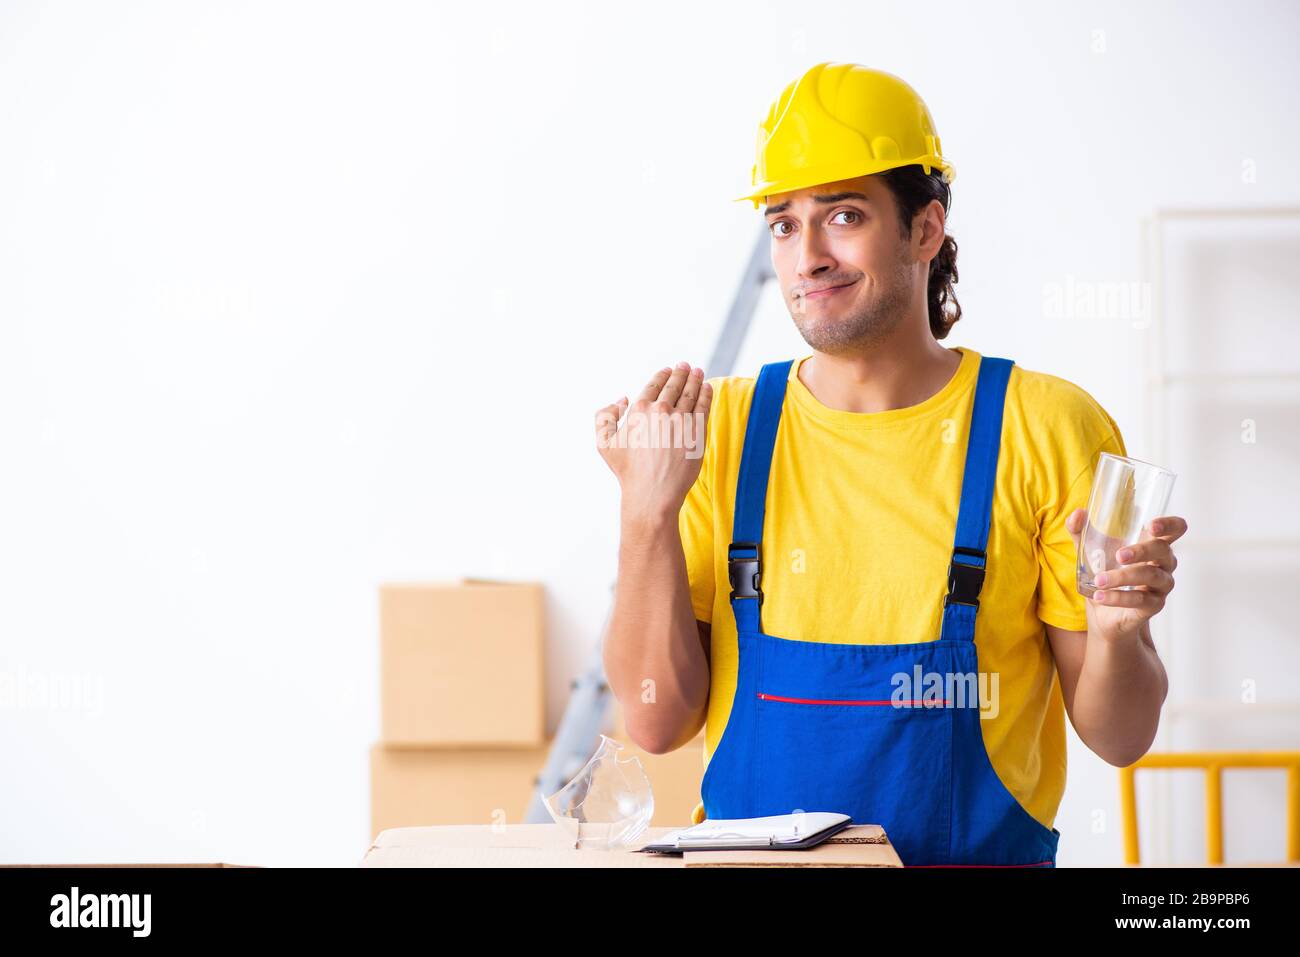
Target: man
(877,529)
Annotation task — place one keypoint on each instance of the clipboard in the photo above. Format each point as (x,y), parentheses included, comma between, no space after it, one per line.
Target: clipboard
(782,832)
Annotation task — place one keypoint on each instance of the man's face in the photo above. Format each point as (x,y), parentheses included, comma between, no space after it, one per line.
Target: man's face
(845,269)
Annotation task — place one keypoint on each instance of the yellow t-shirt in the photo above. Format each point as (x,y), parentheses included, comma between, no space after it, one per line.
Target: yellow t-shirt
(861,513)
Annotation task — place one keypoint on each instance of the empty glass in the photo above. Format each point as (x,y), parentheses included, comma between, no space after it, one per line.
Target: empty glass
(1127,495)
(608,804)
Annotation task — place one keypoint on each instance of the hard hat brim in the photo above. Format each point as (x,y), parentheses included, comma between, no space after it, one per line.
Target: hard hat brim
(833,174)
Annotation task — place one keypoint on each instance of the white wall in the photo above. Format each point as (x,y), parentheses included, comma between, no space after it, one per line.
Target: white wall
(297,298)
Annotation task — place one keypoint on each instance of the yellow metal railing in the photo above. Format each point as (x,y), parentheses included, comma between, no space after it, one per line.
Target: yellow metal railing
(1213,764)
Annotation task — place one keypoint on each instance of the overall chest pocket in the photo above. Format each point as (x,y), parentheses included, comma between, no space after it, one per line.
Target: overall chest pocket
(863,756)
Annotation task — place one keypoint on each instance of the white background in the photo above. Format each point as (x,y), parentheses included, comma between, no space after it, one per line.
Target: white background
(297,298)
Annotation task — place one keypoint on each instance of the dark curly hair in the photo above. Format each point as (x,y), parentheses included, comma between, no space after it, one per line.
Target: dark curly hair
(913,189)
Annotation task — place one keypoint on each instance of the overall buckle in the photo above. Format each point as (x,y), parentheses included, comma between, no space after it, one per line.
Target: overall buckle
(964,579)
(744,572)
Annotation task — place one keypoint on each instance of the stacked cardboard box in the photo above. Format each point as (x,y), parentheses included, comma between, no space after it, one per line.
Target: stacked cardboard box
(464,710)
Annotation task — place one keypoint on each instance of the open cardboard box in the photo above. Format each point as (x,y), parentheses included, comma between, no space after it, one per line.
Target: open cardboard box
(548,845)
(204,864)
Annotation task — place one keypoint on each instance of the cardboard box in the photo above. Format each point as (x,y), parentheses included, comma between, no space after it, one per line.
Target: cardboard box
(858,845)
(422,786)
(219,864)
(462,664)
(547,845)
(515,845)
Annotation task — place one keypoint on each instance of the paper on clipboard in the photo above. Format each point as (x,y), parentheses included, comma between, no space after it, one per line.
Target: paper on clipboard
(755,832)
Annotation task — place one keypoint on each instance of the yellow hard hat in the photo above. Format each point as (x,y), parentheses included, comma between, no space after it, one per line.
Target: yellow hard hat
(840,121)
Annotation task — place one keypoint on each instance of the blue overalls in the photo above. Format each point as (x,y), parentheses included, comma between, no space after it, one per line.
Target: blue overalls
(818,726)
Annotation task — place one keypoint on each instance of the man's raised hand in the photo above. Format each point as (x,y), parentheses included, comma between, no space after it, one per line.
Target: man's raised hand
(656,449)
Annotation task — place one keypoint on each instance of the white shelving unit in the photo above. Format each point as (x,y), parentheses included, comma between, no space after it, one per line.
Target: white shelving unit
(1159,380)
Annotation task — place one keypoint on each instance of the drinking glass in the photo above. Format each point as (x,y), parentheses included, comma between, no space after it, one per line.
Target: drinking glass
(1127,494)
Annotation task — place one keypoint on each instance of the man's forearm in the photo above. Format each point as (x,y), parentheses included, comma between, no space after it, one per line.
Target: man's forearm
(1122,686)
(653,657)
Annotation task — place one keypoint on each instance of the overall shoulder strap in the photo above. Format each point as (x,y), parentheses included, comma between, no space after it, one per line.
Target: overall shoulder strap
(974,514)
(744,554)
